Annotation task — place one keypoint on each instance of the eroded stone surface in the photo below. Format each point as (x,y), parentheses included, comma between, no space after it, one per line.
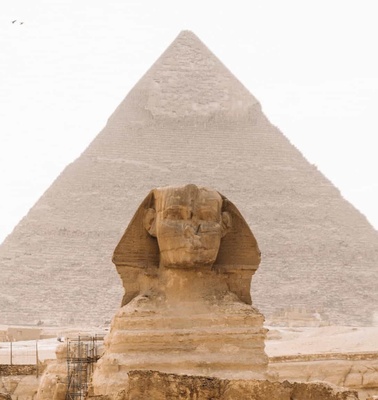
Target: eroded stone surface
(159,386)
(53,383)
(356,371)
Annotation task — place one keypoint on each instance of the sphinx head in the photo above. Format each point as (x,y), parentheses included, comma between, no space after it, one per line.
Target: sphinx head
(187,227)
(188,223)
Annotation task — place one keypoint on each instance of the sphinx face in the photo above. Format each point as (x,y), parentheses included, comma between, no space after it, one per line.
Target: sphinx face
(189,226)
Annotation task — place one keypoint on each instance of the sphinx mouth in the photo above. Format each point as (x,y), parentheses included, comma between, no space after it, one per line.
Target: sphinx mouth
(195,247)
(195,244)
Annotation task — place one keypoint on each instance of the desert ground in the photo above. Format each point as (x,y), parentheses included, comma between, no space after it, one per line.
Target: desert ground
(317,340)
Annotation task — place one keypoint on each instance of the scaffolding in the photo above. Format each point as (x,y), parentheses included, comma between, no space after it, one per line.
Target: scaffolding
(82,353)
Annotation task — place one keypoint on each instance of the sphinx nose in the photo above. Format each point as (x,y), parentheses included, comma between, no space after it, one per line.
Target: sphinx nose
(192,230)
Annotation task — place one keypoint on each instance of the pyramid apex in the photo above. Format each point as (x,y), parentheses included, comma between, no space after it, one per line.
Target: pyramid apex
(189,80)
(190,38)
(187,34)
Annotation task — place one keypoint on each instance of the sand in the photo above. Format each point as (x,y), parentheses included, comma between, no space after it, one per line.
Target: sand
(329,339)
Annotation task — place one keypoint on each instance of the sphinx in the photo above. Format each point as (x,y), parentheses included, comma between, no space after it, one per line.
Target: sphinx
(188,228)
(186,261)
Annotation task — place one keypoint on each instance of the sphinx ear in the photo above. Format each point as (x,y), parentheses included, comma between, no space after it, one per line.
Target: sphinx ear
(149,221)
(226,222)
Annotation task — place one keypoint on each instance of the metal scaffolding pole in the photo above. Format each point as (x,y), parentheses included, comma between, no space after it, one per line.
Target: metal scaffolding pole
(81,356)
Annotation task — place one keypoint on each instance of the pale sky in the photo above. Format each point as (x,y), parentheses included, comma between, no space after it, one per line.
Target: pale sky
(63,70)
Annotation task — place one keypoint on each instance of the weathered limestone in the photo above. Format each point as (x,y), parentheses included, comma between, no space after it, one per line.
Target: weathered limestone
(53,383)
(186,261)
(356,371)
(18,387)
(159,386)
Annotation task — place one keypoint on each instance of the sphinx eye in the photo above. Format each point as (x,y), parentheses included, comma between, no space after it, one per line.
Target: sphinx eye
(209,215)
(172,213)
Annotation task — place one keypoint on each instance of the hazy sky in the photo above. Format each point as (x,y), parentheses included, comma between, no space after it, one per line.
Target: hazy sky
(65,65)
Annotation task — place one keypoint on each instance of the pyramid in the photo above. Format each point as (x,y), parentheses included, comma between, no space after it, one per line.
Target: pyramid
(189,120)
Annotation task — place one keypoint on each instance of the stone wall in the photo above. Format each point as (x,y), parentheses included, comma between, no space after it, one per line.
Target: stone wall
(357,371)
(158,386)
(10,370)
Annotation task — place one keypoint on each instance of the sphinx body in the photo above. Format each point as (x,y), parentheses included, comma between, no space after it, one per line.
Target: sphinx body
(186,261)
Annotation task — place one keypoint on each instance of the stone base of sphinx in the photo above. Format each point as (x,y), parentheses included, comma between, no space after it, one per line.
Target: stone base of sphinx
(160,386)
(217,337)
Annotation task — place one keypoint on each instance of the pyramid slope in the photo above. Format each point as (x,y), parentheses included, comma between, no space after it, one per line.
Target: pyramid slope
(174,128)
